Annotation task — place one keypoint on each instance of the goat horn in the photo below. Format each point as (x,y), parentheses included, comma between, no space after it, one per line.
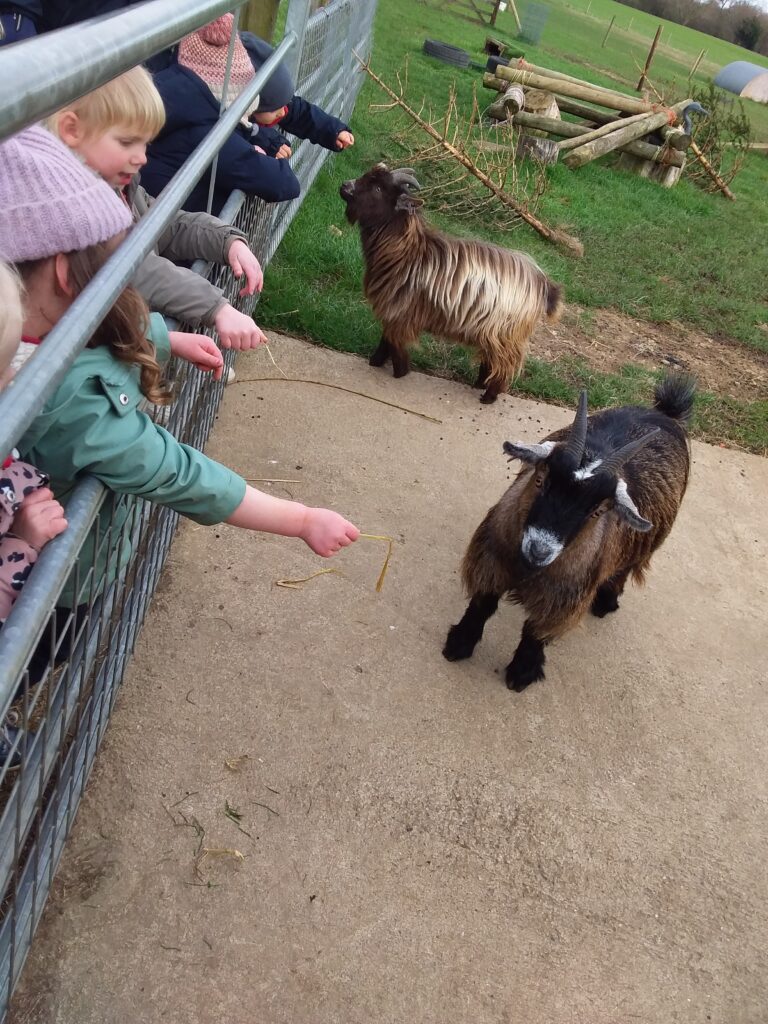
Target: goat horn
(405,176)
(578,435)
(621,457)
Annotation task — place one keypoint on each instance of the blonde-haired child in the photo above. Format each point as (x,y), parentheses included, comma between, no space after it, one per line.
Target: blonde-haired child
(109,129)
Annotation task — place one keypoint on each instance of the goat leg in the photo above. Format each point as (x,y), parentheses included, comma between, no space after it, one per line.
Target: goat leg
(606,599)
(527,665)
(482,375)
(381,354)
(463,637)
(401,364)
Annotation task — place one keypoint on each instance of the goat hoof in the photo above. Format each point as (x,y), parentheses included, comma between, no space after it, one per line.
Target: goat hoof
(400,371)
(457,645)
(488,397)
(520,676)
(605,602)
(378,358)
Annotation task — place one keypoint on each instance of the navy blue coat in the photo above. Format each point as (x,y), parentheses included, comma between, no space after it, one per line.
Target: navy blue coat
(192,111)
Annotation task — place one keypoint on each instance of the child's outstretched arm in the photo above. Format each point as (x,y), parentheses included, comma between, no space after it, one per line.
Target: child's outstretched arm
(324,531)
(307,121)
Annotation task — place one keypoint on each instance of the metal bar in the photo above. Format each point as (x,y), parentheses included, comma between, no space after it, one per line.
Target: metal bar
(223,105)
(38,379)
(50,70)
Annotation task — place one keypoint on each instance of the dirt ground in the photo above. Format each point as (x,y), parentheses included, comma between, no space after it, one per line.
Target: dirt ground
(609,340)
(420,845)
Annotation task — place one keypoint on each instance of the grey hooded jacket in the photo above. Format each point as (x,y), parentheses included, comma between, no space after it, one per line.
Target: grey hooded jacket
(176,291)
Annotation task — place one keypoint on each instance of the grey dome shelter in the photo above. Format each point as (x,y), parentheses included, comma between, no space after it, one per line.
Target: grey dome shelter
(745,79)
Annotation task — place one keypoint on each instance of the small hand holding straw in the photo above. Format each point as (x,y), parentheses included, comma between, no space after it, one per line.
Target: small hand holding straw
(297,583)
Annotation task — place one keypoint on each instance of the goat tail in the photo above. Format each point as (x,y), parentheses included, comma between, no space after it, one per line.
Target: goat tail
(674,396)
(554,300)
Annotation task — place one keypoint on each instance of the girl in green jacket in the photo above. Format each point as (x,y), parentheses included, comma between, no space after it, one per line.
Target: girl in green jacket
(60,223)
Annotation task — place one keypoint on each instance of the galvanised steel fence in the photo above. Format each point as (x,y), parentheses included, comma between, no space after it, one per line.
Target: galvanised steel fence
(53,727)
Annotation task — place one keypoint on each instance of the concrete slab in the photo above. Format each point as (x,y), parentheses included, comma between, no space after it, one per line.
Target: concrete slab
(423,846)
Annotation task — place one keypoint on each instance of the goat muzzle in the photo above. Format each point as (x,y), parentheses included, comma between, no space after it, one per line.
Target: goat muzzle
(347,190)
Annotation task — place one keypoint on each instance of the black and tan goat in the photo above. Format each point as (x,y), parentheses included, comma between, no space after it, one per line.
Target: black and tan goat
(420,279)
(590,506)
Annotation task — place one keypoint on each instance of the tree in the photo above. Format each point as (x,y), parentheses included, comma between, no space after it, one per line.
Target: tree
(748,32)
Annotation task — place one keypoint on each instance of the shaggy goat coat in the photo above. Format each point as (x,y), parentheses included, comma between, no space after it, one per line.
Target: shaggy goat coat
(418,279)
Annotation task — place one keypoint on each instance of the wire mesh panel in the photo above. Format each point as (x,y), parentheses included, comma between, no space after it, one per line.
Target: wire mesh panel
(109,561)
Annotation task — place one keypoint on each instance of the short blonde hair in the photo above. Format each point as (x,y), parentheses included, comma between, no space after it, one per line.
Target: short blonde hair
(131,99)
(11,316)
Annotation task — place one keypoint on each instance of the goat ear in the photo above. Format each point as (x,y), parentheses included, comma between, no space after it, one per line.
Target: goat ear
(532,453)
(406,203)
(627,509)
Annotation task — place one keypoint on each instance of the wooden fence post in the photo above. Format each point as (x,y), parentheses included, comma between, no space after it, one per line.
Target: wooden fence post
(605,39)
(649,58)
(259,17)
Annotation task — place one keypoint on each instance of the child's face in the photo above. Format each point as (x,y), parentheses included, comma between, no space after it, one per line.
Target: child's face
(116,154)
(269,117)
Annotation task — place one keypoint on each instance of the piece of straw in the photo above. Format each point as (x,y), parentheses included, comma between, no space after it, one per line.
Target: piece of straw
(297,584)
(383,573)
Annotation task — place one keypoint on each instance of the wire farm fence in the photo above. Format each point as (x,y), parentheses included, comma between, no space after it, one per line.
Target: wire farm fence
(53,727)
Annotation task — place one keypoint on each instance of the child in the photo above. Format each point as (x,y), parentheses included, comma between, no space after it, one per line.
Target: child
(60,224)
(192,87)
(29,514)
(109,130)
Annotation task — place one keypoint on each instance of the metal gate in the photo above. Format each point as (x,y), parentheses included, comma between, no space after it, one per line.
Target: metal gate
(62,719)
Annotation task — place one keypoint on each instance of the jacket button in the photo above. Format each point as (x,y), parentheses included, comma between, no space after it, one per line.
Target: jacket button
(124,399)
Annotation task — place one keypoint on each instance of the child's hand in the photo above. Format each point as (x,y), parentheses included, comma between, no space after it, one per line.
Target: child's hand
(284,152)
(40,519)
(242,261)
(327,532)
(344,140)
(238,331)
(199,350)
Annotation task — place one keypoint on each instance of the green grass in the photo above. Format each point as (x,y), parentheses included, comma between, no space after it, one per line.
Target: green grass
(652,253)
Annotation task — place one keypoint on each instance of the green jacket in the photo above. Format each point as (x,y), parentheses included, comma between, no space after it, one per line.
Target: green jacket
(94,425)
(175,291)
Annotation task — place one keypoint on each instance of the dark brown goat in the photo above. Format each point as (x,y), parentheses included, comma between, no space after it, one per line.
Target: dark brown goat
(589,508)
(420,279)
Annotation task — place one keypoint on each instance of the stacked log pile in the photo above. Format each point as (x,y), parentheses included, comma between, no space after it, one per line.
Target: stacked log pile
(649,136)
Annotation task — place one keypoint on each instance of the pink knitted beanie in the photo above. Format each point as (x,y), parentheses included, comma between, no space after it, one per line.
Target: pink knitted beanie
(50,202)
(205,53)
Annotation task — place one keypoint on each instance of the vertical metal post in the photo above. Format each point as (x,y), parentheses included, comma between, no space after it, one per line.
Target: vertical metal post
(296,21)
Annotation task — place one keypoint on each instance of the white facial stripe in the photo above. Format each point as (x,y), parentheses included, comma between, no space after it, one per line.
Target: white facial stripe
(587,471)
(540,547)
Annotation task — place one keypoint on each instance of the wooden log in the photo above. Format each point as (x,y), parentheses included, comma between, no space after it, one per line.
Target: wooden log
(544,150)
(676,136)
(631,132)
(616,101)
(508,104)
(598,133)
(711,171)
(569,130)
(523,65)
(583,110)
(649,58)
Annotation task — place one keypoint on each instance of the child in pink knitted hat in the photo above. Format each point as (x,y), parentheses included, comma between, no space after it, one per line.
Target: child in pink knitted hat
(192,88)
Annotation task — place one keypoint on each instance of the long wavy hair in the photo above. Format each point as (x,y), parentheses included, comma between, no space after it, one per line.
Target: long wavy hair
(123,330)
